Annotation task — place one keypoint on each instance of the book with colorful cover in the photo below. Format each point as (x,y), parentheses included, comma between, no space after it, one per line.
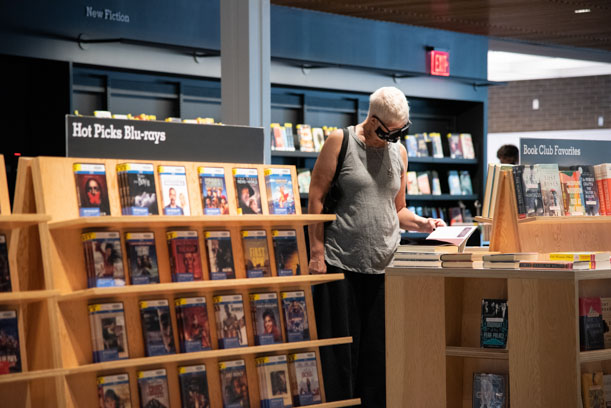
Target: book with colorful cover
(306,140)
(274,382)
(412,183)
(304,177)
(424,186)
(435,185)
(230,321)
(572,193)
(214,190)
(220,255)
(248,194)
(290,138)
(157,327)
(517,173)
(174,191)
(185,259)
(193,324)
(303,373)
(142,258)
(466,143)
(295,313)
(265,318)
(256,254)
(421,141)
(591,324)
(532,191)
(137,189)
(279,185)
(286,252)
(234,384)
(490,390)
(91,189)
(153,389)
(412,146)
(10,345)
(454,182)
(437,145)
(318,137)
(465,182)
(193,386)
(590,198)
(580,256)
(103,259)
(551,189)
(108,332)
(494,324)
(278,137)
(114,389)
(592,392)
(455,147)
(5,271)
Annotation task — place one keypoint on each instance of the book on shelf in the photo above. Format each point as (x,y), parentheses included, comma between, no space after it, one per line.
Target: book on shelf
(418,256)
(193,386)
(157,327)
(193,324)
(494,324)
(455,235)
(435,185)
(142,258)
(572,265)
(108,332)
(256,254)
(248,194)
(551,189)
(455,147)
(137,190)
(295,312)
(602,174)
(265,318)
(591,324)
(279,185)
(214,190)
(413,263)
(465,182)
(304,176)
(501,265)
(444,249)
(303,374)
(114,389)
(511,257)
(518,183)
(290,138)
(234,384)
(490,174)
(306,140)
(592,392)
(153,388)
(605,304)
(412,146)
(318,137)
(10,344)
(572,193)
(466,143)
(489,390)
(470,254)
(454,182)
(286,252)
(580,256)
(220,255)
(278,137)
(463,264)
(533,198)
(91,189)
(174,191)
(103,259)
(435,139)
(423,182)
(185,258)
(421,142)
(590,198)
(230,321)
(412,183)
(5,272)
(274,384)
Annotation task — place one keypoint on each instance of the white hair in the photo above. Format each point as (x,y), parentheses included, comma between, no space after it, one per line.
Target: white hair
(389,104)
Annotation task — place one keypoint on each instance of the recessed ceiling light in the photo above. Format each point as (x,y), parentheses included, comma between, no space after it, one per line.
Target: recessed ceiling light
(580,11)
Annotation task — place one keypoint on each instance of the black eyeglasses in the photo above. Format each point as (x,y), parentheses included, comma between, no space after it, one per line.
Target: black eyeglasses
(392,135)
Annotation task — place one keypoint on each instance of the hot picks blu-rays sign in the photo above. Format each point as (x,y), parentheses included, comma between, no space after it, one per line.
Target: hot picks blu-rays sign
(155,140)
(564,152)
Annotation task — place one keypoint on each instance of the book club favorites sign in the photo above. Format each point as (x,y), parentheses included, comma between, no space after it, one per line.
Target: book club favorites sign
(156,140)
(564,152)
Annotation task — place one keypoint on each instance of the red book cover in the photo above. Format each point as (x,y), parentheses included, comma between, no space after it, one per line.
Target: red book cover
(185,259)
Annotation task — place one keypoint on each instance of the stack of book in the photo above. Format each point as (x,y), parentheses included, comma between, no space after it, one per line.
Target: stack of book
(571,260)
(508,260)
(427,256)
(471,258)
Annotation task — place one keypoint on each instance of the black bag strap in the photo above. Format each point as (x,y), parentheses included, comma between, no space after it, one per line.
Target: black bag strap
(342,154)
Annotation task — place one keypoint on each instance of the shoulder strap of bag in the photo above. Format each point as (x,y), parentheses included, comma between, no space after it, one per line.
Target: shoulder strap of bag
(342,154)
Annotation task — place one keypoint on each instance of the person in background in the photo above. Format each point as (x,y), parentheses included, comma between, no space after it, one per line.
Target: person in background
(508,154)
(360,243)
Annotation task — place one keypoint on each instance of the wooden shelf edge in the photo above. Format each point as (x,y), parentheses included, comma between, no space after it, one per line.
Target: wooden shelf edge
(337,404)
(31,375)
(594,356)
(483,220)
(567,219)
(22,220)
(29,296)
(476,352)
(186,287)
(204,355)
(485,273)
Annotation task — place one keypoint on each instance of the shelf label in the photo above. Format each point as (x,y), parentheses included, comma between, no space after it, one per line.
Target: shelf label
(565,152)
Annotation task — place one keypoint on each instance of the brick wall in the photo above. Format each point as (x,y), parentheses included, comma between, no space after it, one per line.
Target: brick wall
(564,104)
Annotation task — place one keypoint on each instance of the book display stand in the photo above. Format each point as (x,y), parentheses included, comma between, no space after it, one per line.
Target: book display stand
(433,318)
(57,343)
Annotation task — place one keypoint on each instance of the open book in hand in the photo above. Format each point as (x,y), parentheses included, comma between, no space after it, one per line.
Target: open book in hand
(457,235)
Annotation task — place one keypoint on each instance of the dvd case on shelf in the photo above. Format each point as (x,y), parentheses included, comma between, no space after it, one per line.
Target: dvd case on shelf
(214,190)
(230,321)
(295,316)
(142,258)
(157,327)
(5,272)
(10,344)
(265,318)
(256,255)
(108,332)
(153,389)
(220,255)
(234,384)
(193,324)
(173,181)
(280,197)
(193,386)
(137,189)
(286,252)
(248,194)
(91,189)
(103,258)
(274,383)
(113,391)
(303,374)
(185,258)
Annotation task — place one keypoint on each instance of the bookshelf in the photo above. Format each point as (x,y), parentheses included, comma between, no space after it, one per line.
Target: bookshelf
(46,186)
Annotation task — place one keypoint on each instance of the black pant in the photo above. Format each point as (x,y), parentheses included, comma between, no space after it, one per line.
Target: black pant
(353,307)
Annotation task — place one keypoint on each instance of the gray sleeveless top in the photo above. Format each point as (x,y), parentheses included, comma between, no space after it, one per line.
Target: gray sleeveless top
(365,234)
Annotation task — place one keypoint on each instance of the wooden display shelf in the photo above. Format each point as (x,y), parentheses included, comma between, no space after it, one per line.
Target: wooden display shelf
(185,287)
(594,356)
(338,404)
(24,297)
(22,220)
(598,219)
(31,375)
(205,355)
(477,352)
(497,273)
(483,220)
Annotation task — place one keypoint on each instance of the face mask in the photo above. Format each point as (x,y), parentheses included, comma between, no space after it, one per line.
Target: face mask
(391,136)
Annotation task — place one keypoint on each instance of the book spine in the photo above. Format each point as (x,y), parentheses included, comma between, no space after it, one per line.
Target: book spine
(606,182)
(546,265)
(519,189)
(599,187)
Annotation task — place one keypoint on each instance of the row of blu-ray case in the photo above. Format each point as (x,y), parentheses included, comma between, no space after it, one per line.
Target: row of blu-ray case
(104,259)
(139,195)
(284,381)
(109,331)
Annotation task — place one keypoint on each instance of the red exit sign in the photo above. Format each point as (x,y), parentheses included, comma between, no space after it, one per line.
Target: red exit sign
(439,63)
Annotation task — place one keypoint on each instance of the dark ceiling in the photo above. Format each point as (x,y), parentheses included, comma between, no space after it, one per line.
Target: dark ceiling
(551,22)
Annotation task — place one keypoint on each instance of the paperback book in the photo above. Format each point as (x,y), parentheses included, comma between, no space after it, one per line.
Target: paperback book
(421,141)
(412,183)
(185,259)
(494,324)
(234,384)
(10,345)
(193,324)
(265,318)
(290,137)
(465,183)
(280,197)
(286,252)
(454,182)
(306,140)
(230,321)
(295,312)
(220,255)
(142,258)
(278,137)
(423,182)
(466,143)
(157,327)
(489,390)
(113,391)
(137,189)
(591,324)
(247,191)
(572,193)
(214,190)
(193,386)
(274,383)
(551,189)
(108,332)
(103,259)
(304,176)
(412,146)
(256,255)
(437,145)
(303,374)
(532,191)
(455,147)
(517,173)
(5,272)
(592,391)
(174,192)
(318,137)
(91,189)
(590,197)
(153,388)
(435,185)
